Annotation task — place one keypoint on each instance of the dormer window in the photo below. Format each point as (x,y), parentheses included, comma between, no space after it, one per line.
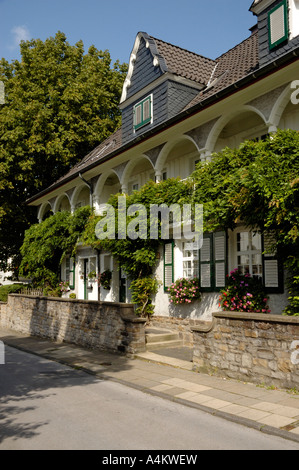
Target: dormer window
(143,112)
(278,24)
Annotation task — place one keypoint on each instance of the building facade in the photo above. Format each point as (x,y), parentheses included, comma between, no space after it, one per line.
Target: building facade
(178,108)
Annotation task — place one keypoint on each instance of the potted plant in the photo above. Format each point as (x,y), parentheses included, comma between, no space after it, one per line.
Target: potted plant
(244,293)
(184,291)
(104,279)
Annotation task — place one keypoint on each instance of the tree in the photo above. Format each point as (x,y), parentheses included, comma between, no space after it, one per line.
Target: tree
(60,102)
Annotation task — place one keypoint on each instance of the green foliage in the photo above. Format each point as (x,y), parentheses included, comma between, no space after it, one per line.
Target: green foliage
(46,244)
(293,286)
(10,289)
(138,258)
(184,291)
(142,291)
(60,103)
(258,185)
(244,293)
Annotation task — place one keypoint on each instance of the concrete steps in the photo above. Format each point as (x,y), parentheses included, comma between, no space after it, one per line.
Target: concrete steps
(157,338)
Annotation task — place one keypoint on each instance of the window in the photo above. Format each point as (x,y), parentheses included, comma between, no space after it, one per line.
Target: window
(70,272)
(278,24)
(253,254)
(143,112)
(190,260)
(249,253)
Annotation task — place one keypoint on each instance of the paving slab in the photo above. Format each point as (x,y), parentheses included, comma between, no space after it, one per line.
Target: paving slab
(267,410)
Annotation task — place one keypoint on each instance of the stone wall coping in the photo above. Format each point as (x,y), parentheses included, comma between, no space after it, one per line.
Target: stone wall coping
(63,299)
(260,317)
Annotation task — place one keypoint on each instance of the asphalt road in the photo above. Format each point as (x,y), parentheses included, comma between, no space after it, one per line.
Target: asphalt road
(47,406)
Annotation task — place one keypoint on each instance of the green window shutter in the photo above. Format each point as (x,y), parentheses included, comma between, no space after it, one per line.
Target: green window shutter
(213,262)
(278,24)
(71,272)
(143,112)
(272,266)
(138,116)
(168,265)
(206,264)
(220,259)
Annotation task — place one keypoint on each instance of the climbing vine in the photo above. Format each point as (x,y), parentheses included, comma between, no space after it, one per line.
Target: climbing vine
(47,243)
(256,184)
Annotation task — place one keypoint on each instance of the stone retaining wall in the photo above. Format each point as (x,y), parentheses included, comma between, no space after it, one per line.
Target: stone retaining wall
(102,325)
(257,348)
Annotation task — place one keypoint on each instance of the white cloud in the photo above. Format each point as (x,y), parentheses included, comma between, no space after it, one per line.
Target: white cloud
(21,33)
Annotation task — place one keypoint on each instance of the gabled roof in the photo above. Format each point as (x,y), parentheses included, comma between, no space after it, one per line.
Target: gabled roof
(185,63)
(170,59)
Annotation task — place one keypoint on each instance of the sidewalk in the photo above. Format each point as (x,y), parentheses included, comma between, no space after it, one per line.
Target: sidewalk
(270,411)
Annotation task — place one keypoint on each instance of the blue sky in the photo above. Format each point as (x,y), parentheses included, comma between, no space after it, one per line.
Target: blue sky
(207,27)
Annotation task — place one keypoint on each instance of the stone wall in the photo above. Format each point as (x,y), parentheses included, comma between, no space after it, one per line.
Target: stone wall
(181,325)
(100,325)
(257,348)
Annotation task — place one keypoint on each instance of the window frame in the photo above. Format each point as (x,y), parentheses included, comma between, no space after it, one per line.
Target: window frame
(70,271)
(143,121)
(266,258)
(250,252)
(273,45)
(193,259)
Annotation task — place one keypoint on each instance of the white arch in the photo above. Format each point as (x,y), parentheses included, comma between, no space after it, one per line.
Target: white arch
(76,194)
(58,201)
(280,105)
(167,149)
(102,180)
(41,211)
(130,166)
(222,121)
